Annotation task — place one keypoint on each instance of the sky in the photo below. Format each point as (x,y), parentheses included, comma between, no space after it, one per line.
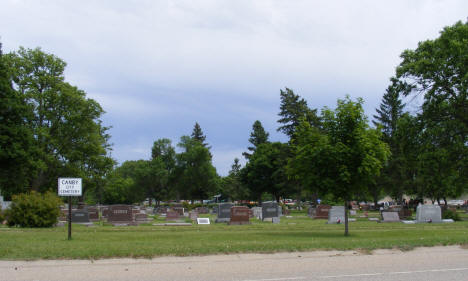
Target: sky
(157,67)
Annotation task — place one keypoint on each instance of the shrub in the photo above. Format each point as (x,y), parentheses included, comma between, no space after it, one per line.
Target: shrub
(449,214)
(34,209)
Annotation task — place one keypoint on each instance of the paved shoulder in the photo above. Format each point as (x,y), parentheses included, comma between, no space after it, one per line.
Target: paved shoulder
(435,263)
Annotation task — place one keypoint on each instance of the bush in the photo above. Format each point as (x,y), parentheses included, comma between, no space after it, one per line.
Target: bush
(449,214)
(34,210)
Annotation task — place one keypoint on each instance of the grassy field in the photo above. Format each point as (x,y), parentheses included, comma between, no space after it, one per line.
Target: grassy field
(298,233)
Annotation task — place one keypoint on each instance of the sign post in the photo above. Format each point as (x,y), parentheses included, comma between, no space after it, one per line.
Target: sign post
(69,187)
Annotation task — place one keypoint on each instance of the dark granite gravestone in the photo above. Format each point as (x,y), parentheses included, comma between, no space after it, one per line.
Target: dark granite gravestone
(428,213)
(120,215)
(365,207)
(270,210)
(93,214)
(239,215)
(80,216)
(336,215)
(224,212)
(172,215)
(390,216)
(322,212)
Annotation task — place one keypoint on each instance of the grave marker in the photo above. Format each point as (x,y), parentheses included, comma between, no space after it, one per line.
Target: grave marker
(336,215)
(322,212)
(224,212)
(239,215)
(428,213)
(120,215)
(390,216)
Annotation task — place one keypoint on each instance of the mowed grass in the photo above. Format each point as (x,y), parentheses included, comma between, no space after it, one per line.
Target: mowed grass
(298,233)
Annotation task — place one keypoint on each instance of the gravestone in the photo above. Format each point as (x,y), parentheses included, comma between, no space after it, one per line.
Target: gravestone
(239,215)
(257,212)
(270,210)
(172,215)
(93,214)
(120,215)
(193,215)
(141,218)
(311,212)
(390,216)
(159,210)
(149,210)
(80,216)
(352,212)
(224,212)
(336,215)
(322,212)
(428,213)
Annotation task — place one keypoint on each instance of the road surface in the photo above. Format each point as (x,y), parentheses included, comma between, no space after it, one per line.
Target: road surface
(435,263)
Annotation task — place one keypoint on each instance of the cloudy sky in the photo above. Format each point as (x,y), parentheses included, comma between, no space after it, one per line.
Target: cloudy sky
(157,67)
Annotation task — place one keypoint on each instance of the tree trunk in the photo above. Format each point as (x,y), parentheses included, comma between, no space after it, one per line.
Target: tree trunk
(346,217)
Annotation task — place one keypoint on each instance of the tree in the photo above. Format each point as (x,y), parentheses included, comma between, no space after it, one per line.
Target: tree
(197,134)
(197,178)
(69,137)
(163,165)
(346,157)
(266,171)
(232,185)
(388,114)
(257,137)
(293,110)
(16,139)
(437,69)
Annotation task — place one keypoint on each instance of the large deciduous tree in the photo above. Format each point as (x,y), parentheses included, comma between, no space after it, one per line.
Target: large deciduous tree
(17,150)
(438,70)
(69,137)
(345,157)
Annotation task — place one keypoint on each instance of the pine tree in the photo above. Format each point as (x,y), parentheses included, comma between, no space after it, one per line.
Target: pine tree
(197,135)
(391,108)
(293,110)
(257,137)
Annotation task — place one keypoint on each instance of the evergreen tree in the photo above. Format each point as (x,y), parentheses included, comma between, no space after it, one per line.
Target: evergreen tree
(197,134)
(391,108)
(257,137)
(293,110)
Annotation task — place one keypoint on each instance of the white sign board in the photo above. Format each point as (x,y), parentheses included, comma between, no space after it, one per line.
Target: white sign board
(69,187)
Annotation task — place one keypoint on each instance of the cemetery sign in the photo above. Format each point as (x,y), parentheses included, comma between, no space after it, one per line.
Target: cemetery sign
(69,187)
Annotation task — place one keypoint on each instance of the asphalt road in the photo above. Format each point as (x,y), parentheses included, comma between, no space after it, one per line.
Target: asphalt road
(436,263)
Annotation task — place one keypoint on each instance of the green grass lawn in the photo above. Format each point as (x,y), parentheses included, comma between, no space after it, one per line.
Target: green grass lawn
(297,233)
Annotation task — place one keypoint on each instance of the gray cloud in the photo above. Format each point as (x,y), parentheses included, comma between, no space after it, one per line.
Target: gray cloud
(156,67)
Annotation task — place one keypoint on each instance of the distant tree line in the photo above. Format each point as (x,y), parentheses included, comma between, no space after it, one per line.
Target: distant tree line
(50,128)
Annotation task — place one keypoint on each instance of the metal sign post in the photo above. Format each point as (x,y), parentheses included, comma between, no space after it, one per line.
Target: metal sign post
(69,187)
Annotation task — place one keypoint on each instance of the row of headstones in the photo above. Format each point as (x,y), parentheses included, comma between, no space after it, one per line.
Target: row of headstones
(115,214)
(424,213)
(226,212)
